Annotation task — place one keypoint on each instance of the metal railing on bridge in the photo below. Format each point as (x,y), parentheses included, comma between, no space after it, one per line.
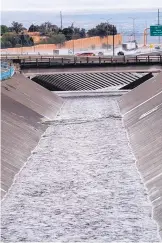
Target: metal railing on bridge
(50,60)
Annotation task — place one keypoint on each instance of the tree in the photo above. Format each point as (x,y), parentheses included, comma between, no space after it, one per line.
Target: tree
(12,39)
(73,33)
(10,29)
(82,33)
(54,29)
(26,40)
(58,39)
(2,44)
(92,32)
(18,45)
(4,29)
(55,39)
(8,44)
(17,27)
(34,28)
(68,32)
(47,27)
(103,29)
(79,33)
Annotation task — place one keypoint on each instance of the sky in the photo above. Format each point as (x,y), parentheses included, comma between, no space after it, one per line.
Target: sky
(78,5)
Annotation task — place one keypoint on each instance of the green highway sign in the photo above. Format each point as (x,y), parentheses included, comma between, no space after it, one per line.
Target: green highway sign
(156,30)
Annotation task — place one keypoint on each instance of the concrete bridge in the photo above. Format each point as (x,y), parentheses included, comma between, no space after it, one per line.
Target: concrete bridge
(27,61)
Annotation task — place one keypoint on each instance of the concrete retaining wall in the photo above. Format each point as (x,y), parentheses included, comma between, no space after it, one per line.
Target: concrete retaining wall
(24,105)
(142,113)
(83,43)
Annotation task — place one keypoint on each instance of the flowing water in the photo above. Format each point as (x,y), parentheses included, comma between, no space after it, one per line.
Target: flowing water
(80,183)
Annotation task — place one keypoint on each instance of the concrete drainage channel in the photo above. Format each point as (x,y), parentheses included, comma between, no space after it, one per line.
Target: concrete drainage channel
(81,183)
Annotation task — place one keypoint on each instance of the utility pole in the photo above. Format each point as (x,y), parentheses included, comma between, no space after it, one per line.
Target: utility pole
(107,21)
(113,41)
(107,33)
(107,36)
(72,25)
(134,33)
(33,38)
(159,22)
(146,32)
(61,19)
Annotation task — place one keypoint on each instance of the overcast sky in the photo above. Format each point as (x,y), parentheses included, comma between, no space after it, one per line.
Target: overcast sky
(78,5)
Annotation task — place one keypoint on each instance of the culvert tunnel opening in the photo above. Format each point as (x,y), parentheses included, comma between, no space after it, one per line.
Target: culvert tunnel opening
(82,81)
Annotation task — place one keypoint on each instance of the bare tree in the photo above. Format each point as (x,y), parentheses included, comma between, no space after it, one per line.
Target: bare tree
(17,27)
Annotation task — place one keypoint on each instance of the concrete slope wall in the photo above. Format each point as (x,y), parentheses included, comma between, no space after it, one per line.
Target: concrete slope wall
(142,113)
(141,93)
(24,105)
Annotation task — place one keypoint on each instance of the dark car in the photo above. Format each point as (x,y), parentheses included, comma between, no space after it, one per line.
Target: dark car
(157,47)
(120,53)
(100,54)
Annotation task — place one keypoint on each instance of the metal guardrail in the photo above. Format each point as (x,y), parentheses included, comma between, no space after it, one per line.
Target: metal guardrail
(7,71)
(63,60)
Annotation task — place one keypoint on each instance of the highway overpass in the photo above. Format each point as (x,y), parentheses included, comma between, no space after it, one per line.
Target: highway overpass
(27,61)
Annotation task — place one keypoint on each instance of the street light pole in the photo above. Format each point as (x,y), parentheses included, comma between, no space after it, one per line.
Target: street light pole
(133,27)
(107,21)
(107,36)
(107,33)
(73,36)
(113,42)
(33,38)
(61,19)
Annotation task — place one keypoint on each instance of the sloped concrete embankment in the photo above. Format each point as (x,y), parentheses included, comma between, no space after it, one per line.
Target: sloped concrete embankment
(24,105)
(142,113)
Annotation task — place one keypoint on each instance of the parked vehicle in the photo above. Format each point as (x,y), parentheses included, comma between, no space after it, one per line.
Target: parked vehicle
(120,53)
(129,46)
(157,47)
(100,54)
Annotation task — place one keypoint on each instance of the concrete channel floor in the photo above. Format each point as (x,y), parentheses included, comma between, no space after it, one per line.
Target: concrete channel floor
(80,183)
